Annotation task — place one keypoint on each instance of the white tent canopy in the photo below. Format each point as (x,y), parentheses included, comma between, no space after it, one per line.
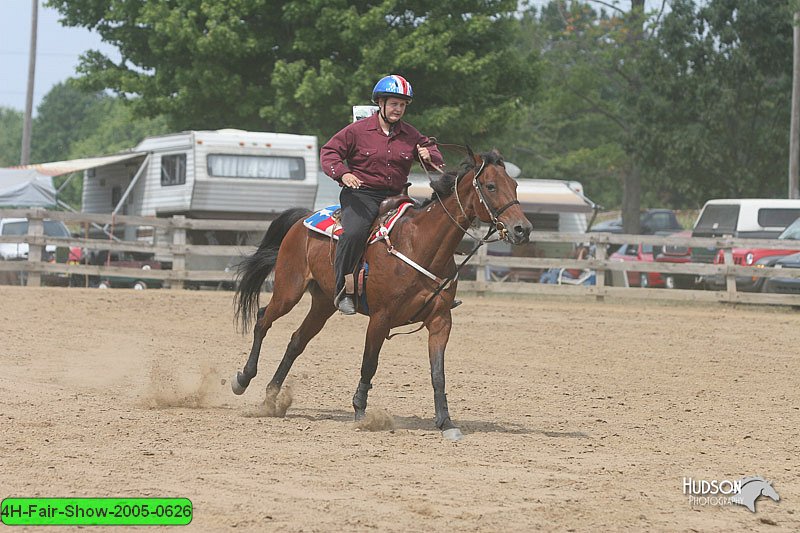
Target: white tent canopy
(26,188)
(32,185)
(57,168)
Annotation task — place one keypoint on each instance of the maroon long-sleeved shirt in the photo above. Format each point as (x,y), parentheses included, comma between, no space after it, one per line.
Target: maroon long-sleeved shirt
(381,162)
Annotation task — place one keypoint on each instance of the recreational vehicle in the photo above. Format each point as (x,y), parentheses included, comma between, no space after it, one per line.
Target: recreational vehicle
(224,174)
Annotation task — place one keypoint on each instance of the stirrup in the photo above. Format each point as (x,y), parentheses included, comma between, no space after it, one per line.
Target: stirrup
(346,305)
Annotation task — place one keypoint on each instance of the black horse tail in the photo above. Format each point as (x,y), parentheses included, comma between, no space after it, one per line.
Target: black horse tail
(253,270)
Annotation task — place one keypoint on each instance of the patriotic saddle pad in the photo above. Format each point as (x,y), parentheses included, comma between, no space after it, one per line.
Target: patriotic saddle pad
(326,222)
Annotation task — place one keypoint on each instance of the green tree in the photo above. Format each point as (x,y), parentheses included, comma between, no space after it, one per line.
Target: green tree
(64,115)
(10,136)
(716,120)
(560,135)
(298,65)
(581,126)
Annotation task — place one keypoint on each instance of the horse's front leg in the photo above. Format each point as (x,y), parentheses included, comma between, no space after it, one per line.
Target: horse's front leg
(438,335)
(376,334)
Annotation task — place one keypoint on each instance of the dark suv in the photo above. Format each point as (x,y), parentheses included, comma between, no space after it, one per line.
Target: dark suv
(651,222)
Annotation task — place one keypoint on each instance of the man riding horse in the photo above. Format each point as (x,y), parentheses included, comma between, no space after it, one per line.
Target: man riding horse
(371,159)
(412,279)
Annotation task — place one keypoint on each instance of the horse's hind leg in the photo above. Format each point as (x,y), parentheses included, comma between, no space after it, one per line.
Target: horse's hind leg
(281,303)
(321,310)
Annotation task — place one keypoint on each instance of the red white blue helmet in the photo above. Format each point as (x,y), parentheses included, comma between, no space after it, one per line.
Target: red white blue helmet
(393,86)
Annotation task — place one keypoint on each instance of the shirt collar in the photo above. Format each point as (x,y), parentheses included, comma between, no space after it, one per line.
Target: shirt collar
(375,124)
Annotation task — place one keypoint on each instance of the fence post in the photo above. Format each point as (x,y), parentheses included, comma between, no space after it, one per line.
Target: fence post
(481,273)
(35,251)
(600,273)
(730,278)
(178,256)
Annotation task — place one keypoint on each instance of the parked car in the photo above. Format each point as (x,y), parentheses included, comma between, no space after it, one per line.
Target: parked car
(754,218)
(18,251)
(757,257)
(10,251)
(651,221)
(785,285)
(641,254)
(121,259)
(676,254)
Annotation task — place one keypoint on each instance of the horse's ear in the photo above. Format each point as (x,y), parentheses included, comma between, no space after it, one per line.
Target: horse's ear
(498,157)
(476,158)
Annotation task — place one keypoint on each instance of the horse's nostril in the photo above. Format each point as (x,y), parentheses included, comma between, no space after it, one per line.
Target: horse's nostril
(522,232)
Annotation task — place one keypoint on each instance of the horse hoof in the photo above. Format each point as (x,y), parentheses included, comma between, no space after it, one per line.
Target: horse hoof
(453,434)
(238,390)
(360,414)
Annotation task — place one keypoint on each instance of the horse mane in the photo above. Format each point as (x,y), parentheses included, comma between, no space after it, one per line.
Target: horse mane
(444,185)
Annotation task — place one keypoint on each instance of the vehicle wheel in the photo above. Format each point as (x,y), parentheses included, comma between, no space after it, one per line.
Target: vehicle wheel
(104,285)
(139,286)
(765,286)
(669,282)
(644,281)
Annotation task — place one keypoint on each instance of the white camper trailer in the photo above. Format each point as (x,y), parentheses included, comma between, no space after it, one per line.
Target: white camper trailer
(224,174)
(208,174)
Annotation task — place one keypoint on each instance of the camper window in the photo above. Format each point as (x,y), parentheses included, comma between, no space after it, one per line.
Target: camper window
(256,166)
(173,169)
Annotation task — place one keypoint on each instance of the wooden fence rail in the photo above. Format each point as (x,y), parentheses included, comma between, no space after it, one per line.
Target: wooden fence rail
(178,249)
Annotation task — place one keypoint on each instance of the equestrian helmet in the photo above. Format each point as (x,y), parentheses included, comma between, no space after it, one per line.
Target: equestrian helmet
(393,86)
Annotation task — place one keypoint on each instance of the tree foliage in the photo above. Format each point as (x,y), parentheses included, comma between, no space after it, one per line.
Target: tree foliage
(697,104)
(299,65)
(688,105)
(717,112)
(10,136)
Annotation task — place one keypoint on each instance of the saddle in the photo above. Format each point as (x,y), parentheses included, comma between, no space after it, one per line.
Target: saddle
(327,221)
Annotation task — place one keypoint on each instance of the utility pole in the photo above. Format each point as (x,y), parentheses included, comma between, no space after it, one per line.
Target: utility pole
(794,129)
(25,157)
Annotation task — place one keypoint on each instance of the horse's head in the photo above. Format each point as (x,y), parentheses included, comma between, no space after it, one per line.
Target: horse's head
(496,197)
(769,491)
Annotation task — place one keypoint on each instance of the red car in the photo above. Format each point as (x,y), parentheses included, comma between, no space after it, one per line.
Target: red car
(757,257)
(642,254)
(677,254)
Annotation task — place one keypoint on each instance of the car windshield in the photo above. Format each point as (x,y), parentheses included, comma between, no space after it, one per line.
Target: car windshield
(15,228)
(52,228)
(792,233)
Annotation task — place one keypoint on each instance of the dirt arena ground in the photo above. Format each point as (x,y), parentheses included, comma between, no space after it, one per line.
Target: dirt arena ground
(578,416)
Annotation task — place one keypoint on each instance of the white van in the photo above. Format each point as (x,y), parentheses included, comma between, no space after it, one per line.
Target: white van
(753,218)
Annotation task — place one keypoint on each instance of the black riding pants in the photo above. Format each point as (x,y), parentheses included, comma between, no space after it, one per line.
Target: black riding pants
(359,210)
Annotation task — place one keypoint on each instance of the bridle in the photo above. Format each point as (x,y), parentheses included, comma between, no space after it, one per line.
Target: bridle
(494,214)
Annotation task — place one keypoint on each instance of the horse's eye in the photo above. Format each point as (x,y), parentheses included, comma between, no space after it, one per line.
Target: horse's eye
(491,187)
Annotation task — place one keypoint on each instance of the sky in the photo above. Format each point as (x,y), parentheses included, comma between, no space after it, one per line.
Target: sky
(58,49)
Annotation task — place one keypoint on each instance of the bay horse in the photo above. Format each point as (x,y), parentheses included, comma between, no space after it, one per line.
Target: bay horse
(397,294)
